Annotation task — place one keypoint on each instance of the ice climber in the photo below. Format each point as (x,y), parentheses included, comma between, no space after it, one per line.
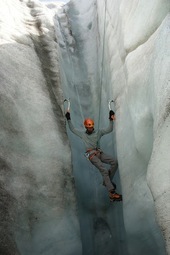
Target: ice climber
(97,157)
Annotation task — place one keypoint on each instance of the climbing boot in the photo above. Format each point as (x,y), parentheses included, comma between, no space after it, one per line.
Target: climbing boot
(114,196)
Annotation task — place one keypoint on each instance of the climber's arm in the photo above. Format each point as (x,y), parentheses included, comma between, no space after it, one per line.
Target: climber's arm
(109,129)
(71,127)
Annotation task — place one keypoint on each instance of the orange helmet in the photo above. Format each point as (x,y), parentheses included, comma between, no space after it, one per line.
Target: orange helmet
(88,123)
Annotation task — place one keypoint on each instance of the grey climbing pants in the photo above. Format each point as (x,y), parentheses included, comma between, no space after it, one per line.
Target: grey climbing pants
(97,160)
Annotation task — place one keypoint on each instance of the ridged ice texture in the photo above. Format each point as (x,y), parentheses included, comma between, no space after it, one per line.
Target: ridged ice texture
(107,49)
(137,60)
(38,206)
(130,49)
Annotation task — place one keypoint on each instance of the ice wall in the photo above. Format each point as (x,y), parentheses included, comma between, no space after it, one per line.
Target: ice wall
(101,223)
(137,62)
(128,43)
(37,196)
(100,50)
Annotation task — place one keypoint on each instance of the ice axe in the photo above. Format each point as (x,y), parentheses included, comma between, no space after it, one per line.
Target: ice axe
(68,104)
(109,104)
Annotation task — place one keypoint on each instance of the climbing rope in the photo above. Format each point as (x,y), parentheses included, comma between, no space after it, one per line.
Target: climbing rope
(102,68)
(102,72)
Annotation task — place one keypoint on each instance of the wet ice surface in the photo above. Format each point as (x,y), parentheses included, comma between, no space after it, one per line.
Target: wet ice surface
(127,57)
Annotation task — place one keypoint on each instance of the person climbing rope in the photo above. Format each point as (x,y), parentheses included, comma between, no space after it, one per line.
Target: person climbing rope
(97,157)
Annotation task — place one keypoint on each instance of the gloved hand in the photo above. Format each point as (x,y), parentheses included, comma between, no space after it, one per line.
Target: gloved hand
(111,113)
(67,115)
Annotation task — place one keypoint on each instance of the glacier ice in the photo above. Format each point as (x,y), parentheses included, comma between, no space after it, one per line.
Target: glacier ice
(38,204)
(126,50)
(53,201)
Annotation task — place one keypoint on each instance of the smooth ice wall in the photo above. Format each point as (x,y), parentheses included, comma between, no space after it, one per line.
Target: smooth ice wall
(38,211)
(137,69)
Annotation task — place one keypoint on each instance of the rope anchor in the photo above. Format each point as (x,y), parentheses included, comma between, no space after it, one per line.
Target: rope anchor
(68,104)
(109,104)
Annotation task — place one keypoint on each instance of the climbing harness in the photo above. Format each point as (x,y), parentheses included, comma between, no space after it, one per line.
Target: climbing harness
(90,153)
(68,104)
(109,104)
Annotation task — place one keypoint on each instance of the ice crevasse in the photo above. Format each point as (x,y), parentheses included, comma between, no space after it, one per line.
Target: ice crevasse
(52,199)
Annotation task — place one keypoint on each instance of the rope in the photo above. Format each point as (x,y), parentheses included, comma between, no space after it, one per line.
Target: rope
(102,69)
(72,74)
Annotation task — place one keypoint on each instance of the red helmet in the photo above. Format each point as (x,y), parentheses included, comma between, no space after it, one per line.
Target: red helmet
(88,123)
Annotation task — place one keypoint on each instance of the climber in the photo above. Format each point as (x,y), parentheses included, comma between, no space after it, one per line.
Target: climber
(97,157)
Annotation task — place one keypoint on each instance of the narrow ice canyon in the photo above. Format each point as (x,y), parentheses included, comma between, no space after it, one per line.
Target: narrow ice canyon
(52,200)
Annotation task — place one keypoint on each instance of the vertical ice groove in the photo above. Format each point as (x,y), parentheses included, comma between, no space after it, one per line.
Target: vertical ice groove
(99,221)
(134,82)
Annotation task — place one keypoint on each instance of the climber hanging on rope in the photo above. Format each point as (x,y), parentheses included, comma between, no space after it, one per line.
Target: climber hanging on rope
(97,157)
